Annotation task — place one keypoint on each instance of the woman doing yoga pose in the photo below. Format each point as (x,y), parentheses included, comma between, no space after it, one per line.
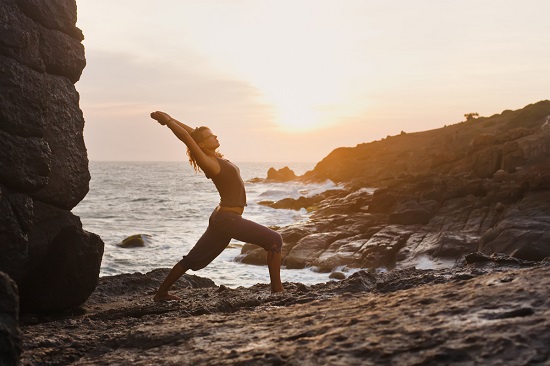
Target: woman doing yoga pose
(226,221)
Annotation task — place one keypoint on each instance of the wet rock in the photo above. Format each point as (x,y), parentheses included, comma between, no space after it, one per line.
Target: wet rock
(291,203)
(478,257)
(252,254)
(524,230)
(381,249)
(309,248)
(282,175)
(413,212)
(127,286)
(337,276)
(135,241)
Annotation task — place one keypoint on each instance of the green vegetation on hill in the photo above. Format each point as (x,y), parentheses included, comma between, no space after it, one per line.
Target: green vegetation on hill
(462,148)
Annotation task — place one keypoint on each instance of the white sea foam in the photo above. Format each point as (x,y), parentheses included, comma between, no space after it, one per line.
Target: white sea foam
(171,204)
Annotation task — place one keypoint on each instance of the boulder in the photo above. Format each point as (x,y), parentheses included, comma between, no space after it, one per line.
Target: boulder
(337,276)
(524,232)
(290,203)
(380,251)
(64,262)
(43,159)
(413,212)
(16,220)
(308,249)
(135,241)
(10,334)
(282,175)
(253,254)
(341,253)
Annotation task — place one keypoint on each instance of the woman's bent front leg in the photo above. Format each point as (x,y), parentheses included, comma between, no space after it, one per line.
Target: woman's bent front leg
(254,233)
(274,266)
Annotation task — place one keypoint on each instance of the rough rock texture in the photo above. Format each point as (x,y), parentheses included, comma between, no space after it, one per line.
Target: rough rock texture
(494,311)
(482,185)
(282,175)
(43,160)
(10,334)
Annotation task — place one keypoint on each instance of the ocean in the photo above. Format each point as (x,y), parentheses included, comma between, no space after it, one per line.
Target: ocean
(169,205)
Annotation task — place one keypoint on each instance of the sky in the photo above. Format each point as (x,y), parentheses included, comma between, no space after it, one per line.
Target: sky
(290,81)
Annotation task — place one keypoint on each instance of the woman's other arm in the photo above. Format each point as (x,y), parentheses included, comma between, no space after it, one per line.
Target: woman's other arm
(208,164)
(163,118)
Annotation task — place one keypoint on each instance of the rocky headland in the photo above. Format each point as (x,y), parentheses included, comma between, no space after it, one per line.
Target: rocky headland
(427,199)
(445,231)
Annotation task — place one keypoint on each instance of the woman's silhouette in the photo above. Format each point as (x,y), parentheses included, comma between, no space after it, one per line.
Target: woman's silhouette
(226,221)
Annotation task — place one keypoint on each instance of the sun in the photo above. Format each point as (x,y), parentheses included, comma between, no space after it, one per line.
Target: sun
(296,118)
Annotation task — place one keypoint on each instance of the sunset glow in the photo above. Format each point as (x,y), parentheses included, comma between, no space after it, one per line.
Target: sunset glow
(338,73)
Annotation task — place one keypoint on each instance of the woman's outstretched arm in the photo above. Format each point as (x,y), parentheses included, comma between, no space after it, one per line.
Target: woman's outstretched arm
(163,118)
(209,165)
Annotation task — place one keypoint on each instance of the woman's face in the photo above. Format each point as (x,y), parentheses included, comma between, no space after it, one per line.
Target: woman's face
(209,140)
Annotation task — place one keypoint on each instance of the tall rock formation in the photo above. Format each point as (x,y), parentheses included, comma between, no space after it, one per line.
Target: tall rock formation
(43,159)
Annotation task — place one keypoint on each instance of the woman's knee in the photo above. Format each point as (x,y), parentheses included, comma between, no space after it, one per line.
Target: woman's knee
(277,244)
(192,265)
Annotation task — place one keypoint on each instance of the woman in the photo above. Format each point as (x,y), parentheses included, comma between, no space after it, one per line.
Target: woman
(226,221)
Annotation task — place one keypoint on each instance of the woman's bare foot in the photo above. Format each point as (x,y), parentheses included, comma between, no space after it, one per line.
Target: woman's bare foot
(166,297)
(277,289)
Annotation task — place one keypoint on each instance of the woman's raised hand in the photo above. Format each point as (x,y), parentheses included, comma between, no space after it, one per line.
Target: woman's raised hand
(161,117)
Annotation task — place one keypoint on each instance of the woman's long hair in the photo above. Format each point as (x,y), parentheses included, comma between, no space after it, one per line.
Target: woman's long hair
(197,136)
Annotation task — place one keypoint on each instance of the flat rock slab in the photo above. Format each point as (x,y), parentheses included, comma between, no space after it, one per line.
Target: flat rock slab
(467,316)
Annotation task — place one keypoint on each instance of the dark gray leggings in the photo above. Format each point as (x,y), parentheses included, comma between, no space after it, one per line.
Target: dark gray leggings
(222,227)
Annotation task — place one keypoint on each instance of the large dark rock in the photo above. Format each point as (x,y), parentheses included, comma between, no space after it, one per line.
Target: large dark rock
(43,145)
(43,159)
(524,232)
(10,334)
(282,175)
(64,262)
(309,248)
(16,220)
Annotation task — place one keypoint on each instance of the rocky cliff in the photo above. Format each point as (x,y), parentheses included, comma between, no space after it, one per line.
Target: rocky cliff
(43,159)
(478,148)
(427,199)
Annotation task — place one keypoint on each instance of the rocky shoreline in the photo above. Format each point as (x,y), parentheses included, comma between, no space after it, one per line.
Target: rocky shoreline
(428,288)
(490,310)
(482,185)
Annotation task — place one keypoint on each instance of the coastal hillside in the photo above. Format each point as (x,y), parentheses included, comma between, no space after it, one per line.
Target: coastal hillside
(427,199)
(478,147)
